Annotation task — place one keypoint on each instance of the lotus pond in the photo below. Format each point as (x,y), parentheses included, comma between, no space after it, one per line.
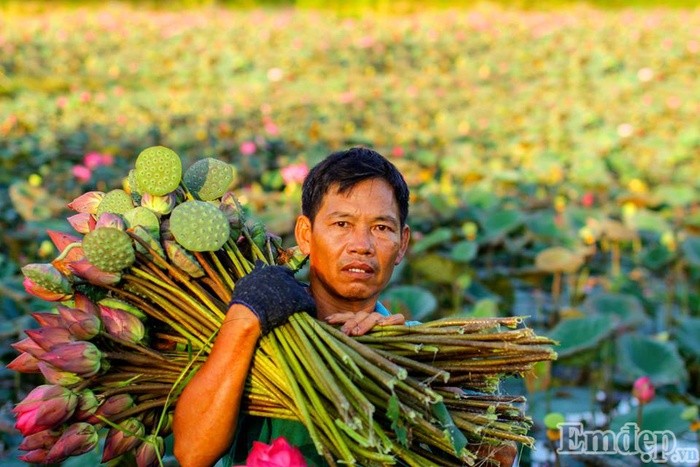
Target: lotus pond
(553,159)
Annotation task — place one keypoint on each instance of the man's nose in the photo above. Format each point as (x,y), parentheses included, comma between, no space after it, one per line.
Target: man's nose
(361,241)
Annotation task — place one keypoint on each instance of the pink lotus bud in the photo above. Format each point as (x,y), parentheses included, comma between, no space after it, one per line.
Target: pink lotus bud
(121,324)
(294,173)
(280,452)
(124,439)
(55,376)
(37,456)
(90,273)
(150,451)
(47,338)
(83,325)
(87,203)
(45,407)
(24,363)
(159,204)
(247,148)
(79,357)
(643,390)
(115,405)
(87,406)
(110,302)
(78,438)
(29,346)
(42,440)
(82,302)
(48,320)
(46,282)
(109,219)
(82,222)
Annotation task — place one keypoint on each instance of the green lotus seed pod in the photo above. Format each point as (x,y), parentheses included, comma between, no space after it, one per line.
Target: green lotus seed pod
(158,170)
(116,202)
(199,226)
(208,179)
(145,218)
(109,249)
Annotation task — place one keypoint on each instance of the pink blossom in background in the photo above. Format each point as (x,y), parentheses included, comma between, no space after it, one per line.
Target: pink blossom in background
(271,128)
(81,173)
(295,173)
(588,199)
(278,454)
(643,390)
(62,102)
(248,148)
(92,160)
(397,151)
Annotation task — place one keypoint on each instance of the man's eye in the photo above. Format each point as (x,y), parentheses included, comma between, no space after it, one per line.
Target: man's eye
(383,228)
(341,223)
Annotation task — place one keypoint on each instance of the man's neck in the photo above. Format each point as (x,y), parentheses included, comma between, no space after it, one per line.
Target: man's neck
(327,304)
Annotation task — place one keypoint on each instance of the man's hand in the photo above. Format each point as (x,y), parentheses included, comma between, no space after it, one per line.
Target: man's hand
(497,456)
(272,294)
(360,323)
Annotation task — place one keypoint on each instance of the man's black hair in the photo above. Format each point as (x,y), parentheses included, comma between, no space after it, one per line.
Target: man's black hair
(347,169)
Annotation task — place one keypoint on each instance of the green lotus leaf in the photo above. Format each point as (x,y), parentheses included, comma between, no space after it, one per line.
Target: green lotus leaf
(580,334)
(691,250)
(623,309)
(436,237)
(464,251)
(687,334)
(659,415)
(419,303)
(642,356)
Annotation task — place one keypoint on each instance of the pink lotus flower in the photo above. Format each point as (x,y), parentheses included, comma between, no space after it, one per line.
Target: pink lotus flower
(87,202)
(295,173)
(92,274)
(115,405)
(55,376)
(80,357)
(148,453)
(45,407)
(247,148)
(81,173)
(36,456)
(159,204)
(48,338)
(119,441)
(78,438)
(24,363)
(278,454)
(122,324)
(42,440)
(643,390)
(83,325)
(587,199)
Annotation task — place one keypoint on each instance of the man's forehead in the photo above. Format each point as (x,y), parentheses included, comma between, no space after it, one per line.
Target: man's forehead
(379,206)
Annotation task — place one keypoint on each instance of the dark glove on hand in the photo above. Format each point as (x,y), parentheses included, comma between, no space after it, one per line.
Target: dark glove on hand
(272,293)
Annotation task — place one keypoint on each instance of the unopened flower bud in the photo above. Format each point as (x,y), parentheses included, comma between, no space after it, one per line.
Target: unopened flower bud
(124,439)
(47,338)
(115,405)
(87,203)
(24,363)
(86,408)
(82,302)
(108,219)
(29,346)
(90,273)
(79,357)
(41,440)
(49,320)
(78,438)
(150,451)
(55,376)
(82,222)
(36,456)
(45,407)
(122,324)
(183,259)
(643,390)
(159,204)
(83,325)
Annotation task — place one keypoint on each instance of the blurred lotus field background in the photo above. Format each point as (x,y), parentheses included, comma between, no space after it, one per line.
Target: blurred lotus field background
(553,159)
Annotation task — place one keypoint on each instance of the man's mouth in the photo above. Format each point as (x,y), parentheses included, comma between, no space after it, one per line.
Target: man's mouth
(358,268)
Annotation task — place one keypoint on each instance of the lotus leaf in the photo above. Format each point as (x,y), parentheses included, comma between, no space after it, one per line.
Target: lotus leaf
(580,334)
(639,355)
(558,259)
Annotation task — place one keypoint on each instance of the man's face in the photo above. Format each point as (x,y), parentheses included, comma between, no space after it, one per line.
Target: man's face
(354,243)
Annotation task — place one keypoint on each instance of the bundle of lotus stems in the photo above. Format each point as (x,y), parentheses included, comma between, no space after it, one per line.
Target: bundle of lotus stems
(141,296)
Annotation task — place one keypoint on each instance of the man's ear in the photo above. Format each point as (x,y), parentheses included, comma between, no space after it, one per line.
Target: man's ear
(302,233)
(405,239)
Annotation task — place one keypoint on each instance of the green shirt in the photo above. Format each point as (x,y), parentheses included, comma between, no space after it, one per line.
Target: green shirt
(267,430)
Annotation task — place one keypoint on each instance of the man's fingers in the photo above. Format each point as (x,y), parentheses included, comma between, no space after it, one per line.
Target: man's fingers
(339,318)
(393,320)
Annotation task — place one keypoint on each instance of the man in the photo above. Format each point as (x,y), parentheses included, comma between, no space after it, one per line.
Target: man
(353,227)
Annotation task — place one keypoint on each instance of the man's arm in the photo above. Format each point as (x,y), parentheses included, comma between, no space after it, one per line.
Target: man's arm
(207,410)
